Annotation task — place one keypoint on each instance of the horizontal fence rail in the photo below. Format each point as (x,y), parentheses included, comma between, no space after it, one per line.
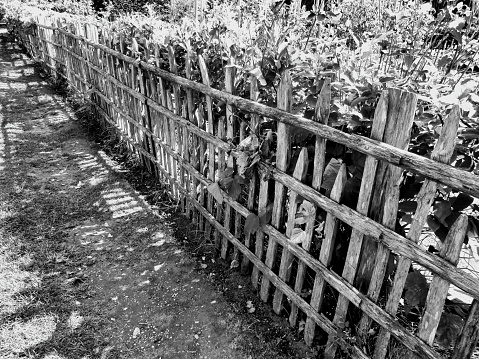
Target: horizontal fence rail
(169,121)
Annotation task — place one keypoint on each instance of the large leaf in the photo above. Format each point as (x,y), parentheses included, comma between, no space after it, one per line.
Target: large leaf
(442,210)
(461,202)
(251,224)
(408,206)
(215,190)
(265,216)
(416,289)
(449,328)
(330,173)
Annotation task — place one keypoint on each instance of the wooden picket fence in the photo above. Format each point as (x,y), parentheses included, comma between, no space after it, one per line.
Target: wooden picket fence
(169,121)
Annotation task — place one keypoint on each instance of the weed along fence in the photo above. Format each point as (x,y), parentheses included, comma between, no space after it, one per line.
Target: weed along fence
(282,213)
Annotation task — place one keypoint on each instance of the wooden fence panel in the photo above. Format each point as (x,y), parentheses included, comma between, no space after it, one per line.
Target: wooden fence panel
(169,122)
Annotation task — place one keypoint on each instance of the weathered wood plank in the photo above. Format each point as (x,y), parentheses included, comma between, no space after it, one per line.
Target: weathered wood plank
(436,297)
(300,172)
(253,185)
(259,243)
(326,253)
(210,128)
(322,110)
(283,151)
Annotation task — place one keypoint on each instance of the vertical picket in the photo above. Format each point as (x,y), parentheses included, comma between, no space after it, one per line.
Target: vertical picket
(192,140)
(436,297)
(176,132)
(210,128)
(230,73)
(253,185)
(299,173)
(326,252)
(322,110)
(385,200)
(283,152)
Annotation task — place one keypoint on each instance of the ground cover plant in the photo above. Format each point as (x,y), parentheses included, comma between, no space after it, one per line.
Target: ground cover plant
(363,49)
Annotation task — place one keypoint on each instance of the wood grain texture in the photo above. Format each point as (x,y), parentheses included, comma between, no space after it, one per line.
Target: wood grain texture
(300,172)
(436,297)
(326,253)
(283,153)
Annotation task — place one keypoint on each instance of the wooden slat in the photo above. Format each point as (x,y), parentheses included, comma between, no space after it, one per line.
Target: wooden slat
(192,119)
(221,167)
(259,243)
(210,128)
(283,152)
(322,110)
(442,153)
(326,253)
(300,172)
(356,239)
(229,87)
(436,297)
(253,185)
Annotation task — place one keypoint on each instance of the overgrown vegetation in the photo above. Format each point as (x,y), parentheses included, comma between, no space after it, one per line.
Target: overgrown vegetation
(362,47)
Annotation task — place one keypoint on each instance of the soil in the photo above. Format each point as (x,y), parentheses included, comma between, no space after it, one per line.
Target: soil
(89,268)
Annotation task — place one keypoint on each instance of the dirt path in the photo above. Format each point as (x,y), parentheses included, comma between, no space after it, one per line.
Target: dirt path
(87,269)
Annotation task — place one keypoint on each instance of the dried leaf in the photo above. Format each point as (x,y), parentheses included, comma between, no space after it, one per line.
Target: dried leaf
(242,162)
(298,236)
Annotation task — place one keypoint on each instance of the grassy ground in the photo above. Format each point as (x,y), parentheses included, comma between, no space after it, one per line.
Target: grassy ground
(87,268)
